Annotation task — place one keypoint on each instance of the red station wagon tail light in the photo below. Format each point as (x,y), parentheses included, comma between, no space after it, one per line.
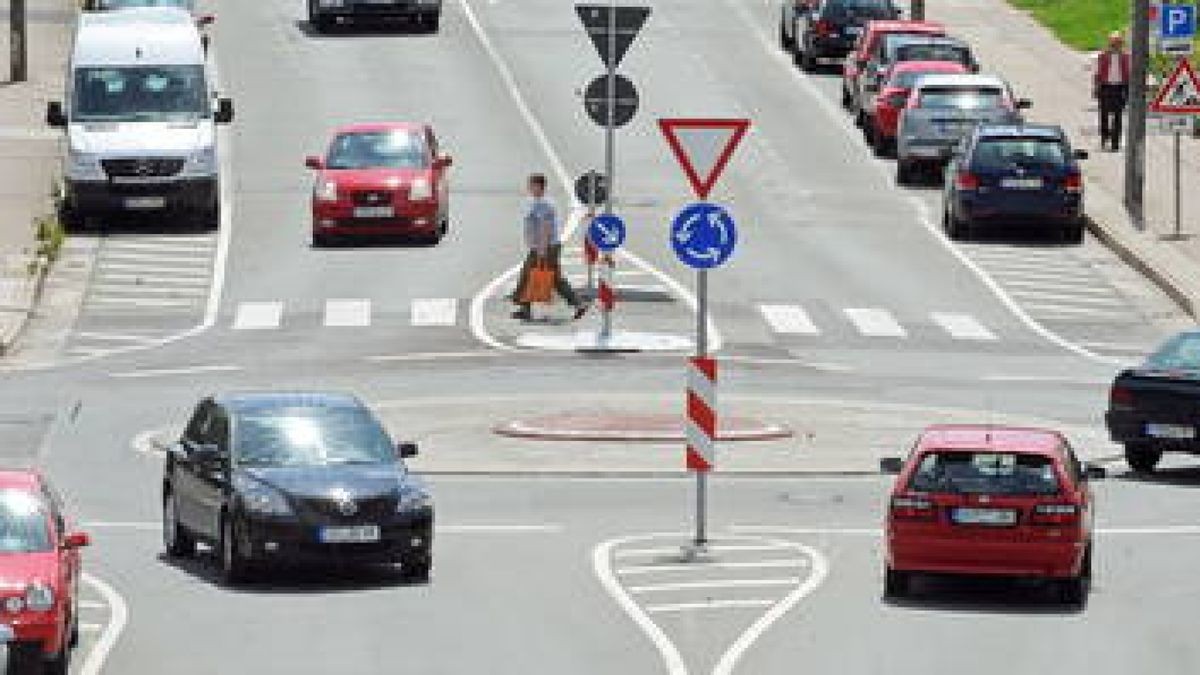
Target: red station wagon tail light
(1073,183)
(912,508)
(966,180)
(1120,398)
(1055,514)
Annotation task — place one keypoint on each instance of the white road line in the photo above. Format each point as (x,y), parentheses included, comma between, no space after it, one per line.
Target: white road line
(788,320)
(166,372)
(151,258)
(1045,310)
(1083,381)
(258,316)
(347,313)
(146,279)
(692,567)
(94,663)
(427,356)
(434,312)
(625,554)
(195,270)
(875,323)
(962,326)
(1068,298)
(1090,286)
(90,627)
(710,604)
(92,604)
(714,583)
(163,247)
(146,288)
(113,337)
(138,302)
(1118,347)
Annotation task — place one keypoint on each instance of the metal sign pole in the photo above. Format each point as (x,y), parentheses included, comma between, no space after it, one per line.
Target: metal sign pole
(18,45)
(1178,188)
(701,352)
(610,152)
(1135,130)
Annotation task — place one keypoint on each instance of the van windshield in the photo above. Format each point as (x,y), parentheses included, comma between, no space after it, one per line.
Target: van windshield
(140,94)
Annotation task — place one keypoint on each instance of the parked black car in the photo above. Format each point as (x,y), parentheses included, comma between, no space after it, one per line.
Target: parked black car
(828,29)
(1022,174)
(324,14)
(1155,407)
(294,477)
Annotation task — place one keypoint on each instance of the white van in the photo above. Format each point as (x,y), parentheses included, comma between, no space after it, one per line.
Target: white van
(140,117)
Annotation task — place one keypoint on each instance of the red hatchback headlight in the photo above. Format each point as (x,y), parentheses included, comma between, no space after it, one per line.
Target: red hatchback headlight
(325,190)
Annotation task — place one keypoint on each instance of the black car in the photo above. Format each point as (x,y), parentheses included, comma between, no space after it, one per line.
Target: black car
(1015,174)
(828,29)
(1155,407)
(294,477)
(324,14)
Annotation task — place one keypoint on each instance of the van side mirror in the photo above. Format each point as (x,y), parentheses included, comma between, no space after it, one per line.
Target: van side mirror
(314,162)
(406,450)
(1080,154)
(224,114)
(1094,472)
(76,540)
(891,465)
(55,116)
(1024,104)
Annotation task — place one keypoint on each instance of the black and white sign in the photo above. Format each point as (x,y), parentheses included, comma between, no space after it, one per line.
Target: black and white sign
(597,20)
(595,101)
(591,189)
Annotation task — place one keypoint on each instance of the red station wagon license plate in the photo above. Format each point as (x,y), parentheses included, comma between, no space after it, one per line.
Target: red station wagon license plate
(994,517)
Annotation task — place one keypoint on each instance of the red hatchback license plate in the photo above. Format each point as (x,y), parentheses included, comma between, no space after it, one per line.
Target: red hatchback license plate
(992,517)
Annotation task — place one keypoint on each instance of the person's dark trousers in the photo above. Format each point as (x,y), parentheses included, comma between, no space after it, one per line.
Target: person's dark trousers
(560,282)
(1112,108)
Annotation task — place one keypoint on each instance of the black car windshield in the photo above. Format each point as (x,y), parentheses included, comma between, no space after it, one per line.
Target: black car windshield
(961,98)
(1181,352)
(908,78)
(1001,153)
(310,436)
(860,8)
(24,523)
(140,94)
(985,472)
(377,150)
(933,52)
(126,4)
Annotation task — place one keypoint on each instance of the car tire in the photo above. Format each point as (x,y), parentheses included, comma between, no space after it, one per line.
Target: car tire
(1073,234)
(60,663)
(177,541)
(320,23)
(896,584)
(1142,457)
(846,100)
(904,172)
(808,63)
(432,22)
(785,43)
(235,568)
(417,568)
(209,218)
(956,228)
(1074,591)
(321,240)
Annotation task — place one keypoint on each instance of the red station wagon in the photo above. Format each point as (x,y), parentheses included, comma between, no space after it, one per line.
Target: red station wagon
(991,501)
(868,47)
(381,179)
(40,565)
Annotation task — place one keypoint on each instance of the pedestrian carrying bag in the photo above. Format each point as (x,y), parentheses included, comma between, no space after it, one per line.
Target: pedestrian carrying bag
(540,285)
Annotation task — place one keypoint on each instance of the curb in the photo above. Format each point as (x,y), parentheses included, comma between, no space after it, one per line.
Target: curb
(13,319)
(1165,268)
(761,431)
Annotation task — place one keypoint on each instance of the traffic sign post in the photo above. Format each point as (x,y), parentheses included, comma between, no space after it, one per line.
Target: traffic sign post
(703,237)
(1179,95)
(1175,28)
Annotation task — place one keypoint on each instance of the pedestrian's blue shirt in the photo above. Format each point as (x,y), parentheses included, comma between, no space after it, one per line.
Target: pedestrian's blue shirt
(540,220)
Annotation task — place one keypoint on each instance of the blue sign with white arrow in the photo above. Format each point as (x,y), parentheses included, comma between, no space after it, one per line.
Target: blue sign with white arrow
(1177,21)
(703,236)
(607,232)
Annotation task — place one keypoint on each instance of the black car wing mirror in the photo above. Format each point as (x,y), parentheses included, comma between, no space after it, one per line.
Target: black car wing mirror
(406,450)
(1023,104)
(891,465)
(224,114)
(1094,472)
(55,115)
(1080,154)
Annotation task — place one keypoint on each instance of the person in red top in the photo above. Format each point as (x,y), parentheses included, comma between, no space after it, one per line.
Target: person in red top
(1110,87)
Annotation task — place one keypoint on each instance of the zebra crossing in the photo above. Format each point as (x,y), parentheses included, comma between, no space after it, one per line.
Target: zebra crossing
(871,322)
(344,313)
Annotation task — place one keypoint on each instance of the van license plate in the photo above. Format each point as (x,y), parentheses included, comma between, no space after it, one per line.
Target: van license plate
(359,534)
(145,202)
(1172,431)
(966,516)
(374,212)
(1021,183)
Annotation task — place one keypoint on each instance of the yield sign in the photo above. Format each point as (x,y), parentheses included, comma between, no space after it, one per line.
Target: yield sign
(703,147)
(1181,93)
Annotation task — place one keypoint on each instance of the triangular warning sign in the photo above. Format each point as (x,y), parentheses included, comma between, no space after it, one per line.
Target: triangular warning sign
(703,147)
(1181,93)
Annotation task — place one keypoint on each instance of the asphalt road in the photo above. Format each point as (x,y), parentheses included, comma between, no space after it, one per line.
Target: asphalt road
(843,308)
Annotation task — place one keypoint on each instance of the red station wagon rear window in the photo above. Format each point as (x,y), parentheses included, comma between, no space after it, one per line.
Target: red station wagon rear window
(985,472)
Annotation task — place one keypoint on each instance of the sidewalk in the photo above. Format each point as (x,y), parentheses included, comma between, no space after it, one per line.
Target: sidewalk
(1058,81)
(30,155)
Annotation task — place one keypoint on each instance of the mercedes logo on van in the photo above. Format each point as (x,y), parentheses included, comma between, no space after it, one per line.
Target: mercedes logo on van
(345,503)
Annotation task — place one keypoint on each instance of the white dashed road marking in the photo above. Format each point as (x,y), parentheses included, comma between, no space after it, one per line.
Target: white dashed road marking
(962,326)
(258,315)
(875,323)
(347,313)
(434,312)
(788,320)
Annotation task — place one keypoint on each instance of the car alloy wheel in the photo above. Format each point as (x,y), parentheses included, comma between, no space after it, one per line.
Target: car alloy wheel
(177,542)
(234,566)
(895,583)
(1142,457)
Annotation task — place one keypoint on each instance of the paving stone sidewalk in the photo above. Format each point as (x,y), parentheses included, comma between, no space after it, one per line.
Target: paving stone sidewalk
(29,155)
(1058,80)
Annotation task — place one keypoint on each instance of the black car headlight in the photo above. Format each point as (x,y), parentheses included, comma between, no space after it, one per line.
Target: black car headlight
(261,499)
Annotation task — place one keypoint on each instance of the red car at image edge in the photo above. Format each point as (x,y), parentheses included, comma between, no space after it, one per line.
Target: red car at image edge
(893,96)
(40,566)
(991,501)
(381,179)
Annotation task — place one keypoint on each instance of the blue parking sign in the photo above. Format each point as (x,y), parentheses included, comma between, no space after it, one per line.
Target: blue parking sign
(1177,21)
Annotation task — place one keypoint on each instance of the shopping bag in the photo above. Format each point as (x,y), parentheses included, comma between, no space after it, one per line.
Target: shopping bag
(539,287)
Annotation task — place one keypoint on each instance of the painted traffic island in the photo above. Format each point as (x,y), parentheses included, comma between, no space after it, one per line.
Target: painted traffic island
(628,427)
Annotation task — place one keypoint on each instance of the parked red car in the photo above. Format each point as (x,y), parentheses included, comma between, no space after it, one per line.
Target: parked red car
(40,564)
(993,501)
(381,179)
(868,46)
(893,96)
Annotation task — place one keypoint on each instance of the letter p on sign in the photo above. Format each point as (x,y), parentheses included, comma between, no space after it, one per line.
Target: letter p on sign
(1177,21)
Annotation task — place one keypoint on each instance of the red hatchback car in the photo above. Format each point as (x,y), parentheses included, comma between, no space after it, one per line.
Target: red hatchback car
(381,179)
(991,501)
(868,47)
(893,96)
(40,565)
